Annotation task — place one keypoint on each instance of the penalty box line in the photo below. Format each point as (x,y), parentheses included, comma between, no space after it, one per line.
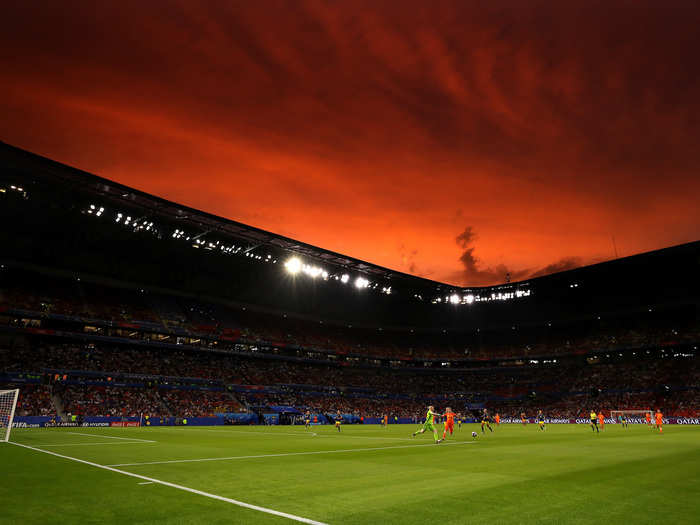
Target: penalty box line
(283,454)
(245,433)
(301,434)
(176,486)
(109,437)
(92,443)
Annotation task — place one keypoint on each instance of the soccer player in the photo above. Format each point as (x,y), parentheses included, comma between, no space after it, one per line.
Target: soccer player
(659,421)
(540,420)
(648,418)
(622,420)
(523,419)
(498,419)
(459,421)
(601,421)
(307,420)
(385,421)
(429,424)
(594,422)
(338,420)
(449,422)
(485,420)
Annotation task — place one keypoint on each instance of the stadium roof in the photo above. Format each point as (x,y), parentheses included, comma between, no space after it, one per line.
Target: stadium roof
(41,168)
(98,186)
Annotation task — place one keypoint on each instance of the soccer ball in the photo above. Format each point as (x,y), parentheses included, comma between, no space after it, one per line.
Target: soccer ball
(473,434)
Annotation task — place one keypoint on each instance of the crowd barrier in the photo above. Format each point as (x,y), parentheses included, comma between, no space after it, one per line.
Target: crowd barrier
(94,421)
(273,419)
(608,421)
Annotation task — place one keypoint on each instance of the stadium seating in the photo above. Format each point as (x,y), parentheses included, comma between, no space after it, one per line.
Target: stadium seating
(180,384)
(103,350)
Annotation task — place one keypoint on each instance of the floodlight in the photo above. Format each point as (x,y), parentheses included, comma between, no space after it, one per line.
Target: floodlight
(293,265)
(344,278)
(469,298)
(454,298)
(361,282)
(312,271)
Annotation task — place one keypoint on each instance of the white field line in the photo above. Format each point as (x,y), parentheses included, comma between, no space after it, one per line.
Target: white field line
(343,435)
(302,434)
(179,487)
(296,434)
(283,454)
(92,443)
(241,432)
(146,483)
(109,437)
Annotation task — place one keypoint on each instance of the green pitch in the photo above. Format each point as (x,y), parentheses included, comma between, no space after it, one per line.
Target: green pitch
(366,474)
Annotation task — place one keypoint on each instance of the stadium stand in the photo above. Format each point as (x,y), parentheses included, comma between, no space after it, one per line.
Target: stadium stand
(117,303)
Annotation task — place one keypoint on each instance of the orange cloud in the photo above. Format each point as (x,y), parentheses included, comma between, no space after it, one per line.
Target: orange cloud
(377,130)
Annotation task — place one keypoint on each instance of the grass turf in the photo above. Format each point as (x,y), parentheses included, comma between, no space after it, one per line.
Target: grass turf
(515,475)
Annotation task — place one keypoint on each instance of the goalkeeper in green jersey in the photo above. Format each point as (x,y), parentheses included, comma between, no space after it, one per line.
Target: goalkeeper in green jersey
(430,424)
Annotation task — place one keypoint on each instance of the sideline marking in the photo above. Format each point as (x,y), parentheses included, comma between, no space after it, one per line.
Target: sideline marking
(179,487)
(228,458)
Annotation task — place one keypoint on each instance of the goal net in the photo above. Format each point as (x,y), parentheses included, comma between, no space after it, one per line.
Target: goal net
(8,403)
(631,416)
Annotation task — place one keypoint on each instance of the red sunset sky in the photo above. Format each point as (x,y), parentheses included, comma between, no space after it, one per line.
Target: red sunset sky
(444,139)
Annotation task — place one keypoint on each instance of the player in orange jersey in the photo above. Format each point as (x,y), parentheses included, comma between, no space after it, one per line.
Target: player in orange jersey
(498,419)
(449,422)
(659,420)
(601,420)
(523,420)
(648,418)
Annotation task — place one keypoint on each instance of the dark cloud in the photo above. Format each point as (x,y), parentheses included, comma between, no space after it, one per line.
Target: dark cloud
(566,263)
(475,273)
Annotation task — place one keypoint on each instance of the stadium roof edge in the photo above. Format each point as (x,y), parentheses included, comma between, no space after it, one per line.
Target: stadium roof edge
(88,180)
(105,187)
